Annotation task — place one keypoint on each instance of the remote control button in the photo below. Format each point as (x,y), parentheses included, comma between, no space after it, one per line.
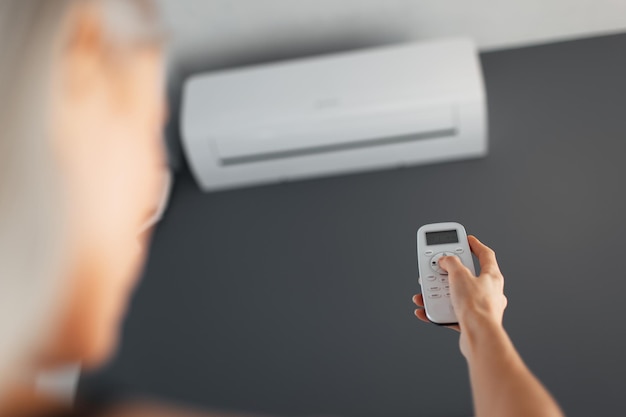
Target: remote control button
(447,294)
(434,288)
(446,287)
(434,262)
(459,250)
(428,253)
(431,277)
(443,279)
(434,296)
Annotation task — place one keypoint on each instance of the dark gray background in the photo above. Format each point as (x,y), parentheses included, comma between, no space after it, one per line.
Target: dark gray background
(295,299)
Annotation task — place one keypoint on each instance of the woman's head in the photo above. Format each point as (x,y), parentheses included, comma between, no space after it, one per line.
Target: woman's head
(81,166)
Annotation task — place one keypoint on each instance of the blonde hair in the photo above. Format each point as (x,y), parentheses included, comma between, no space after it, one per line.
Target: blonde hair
(32,222)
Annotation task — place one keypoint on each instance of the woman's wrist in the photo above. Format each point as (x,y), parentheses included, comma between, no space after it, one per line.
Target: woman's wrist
(476,319)
(481,330)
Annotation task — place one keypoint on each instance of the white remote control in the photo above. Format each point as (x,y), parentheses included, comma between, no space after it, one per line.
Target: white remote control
(434,241)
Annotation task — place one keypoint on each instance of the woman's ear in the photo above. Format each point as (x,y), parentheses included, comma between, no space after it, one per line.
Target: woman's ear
(85,50)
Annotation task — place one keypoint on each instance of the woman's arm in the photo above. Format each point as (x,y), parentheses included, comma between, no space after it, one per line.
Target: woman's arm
(502,385)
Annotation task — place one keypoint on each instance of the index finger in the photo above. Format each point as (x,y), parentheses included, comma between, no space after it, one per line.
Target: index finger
(486,256)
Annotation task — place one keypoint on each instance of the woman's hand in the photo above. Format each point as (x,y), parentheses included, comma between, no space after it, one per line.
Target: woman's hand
(478,301)
(502,385)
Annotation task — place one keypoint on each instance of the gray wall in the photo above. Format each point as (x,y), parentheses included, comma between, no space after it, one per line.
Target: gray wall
(295,299)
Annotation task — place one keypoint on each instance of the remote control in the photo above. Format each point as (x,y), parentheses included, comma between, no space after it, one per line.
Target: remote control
(434,241)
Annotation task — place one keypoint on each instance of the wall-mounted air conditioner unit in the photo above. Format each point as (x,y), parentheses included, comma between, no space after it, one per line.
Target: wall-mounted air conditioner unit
(368,109)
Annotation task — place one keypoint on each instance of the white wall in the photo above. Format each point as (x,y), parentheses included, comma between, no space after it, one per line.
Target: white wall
(221,28)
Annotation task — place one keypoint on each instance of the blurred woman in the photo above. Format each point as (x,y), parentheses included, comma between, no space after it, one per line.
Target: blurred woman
(81,169)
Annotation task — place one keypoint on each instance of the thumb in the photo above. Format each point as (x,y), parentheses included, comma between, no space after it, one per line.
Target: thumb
(452,265)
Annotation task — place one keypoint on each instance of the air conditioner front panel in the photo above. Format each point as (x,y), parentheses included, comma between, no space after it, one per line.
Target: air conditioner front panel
(395,106)
(323,133)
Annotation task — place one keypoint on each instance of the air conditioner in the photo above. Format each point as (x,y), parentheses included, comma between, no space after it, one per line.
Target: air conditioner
(368,109)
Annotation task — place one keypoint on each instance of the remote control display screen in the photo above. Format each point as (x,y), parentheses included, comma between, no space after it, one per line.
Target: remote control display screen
(441,238)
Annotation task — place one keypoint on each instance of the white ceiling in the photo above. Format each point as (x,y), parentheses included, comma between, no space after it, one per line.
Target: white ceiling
(218,30)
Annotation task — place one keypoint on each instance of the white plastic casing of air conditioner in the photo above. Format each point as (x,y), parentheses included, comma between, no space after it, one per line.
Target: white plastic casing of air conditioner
(362,110)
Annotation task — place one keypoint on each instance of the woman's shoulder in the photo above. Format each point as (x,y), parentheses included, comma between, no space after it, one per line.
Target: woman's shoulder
(72,412)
